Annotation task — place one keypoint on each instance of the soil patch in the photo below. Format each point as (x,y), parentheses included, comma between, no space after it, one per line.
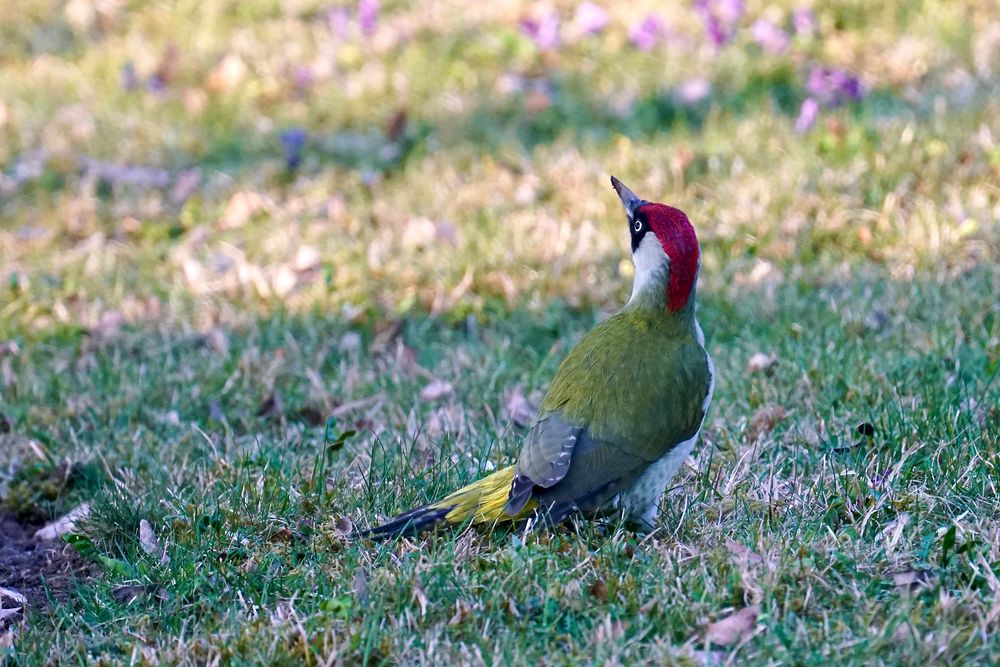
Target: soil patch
(37,569)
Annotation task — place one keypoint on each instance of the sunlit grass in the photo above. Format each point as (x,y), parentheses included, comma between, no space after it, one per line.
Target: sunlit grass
(188,324)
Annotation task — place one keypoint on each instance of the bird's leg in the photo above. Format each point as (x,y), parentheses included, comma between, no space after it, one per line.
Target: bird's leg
(645,522)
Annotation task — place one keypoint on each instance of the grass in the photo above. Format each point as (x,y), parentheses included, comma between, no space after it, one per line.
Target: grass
(242,366)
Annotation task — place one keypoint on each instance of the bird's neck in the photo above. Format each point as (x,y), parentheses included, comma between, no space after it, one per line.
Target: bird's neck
(650,303)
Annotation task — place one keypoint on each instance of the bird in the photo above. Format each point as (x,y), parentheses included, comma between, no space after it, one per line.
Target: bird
(623,410)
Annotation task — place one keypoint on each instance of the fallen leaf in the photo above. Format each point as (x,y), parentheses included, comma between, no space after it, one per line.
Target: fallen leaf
(761,363)
(733,628)
(282,534)
(462,611)
(903,633)
(217,339)
(519,409)
(420,597)
(764,421)
(709,658)
(865,429)
(343,526)
(913,580)
(11,594)
(599,590)
(227,74)
(436,390)
(360,586)
(128,594)
(7,613)
(350,343)
(150,544)
(307,258)
(743,554)
(63,525)
(270,407)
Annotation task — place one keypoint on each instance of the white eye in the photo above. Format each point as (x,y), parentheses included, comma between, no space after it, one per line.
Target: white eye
(637,226)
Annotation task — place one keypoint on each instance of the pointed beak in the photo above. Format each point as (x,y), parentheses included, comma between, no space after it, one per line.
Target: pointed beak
(629,199)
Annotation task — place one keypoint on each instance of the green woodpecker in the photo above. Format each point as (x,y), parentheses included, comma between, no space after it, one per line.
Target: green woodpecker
(624,408)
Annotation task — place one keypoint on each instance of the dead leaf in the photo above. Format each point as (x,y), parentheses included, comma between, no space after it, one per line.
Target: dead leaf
(743,554)
(128,594)
(733,628)
(282,534)
(764,421)
(709,658)
(63,525)
(913,580)
(343,526)
(11,594)
(217,339)
(108,325)
(7,613)
(396,126)
(241,207)
(150,544)
(307,258)
(519,409)
(435,390)
(360,586)
(903,633)
(462,611)
(227,74)
(599,590)
(445,419)
(761,363)
(420,597)
(270,407)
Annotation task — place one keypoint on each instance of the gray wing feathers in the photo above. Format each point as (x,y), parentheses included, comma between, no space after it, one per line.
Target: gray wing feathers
(548,450)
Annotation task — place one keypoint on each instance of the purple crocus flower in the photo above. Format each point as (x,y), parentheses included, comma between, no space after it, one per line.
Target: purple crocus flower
(302,77)
(129,80)
(590,19)
(721,18)
(694,90)
(544,33)
(808,113)
(293,141)
(804,22)
(647,33)
(368,16)
(338,20)
(831,86)
(769,37)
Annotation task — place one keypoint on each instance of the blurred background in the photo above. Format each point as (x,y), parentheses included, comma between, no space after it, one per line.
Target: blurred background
(200,161)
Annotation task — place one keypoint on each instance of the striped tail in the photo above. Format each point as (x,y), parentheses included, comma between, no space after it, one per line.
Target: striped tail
(483,501)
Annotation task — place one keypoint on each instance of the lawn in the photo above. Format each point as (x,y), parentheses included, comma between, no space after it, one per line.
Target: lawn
(272,272)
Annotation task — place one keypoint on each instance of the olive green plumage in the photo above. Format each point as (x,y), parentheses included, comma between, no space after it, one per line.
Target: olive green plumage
(630,391)
(624,408)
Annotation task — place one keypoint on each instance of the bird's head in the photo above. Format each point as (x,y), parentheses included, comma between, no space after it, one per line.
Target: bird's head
(664,250)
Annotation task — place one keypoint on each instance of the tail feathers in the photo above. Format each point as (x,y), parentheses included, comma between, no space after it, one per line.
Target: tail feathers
(410,523)
(483,501)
